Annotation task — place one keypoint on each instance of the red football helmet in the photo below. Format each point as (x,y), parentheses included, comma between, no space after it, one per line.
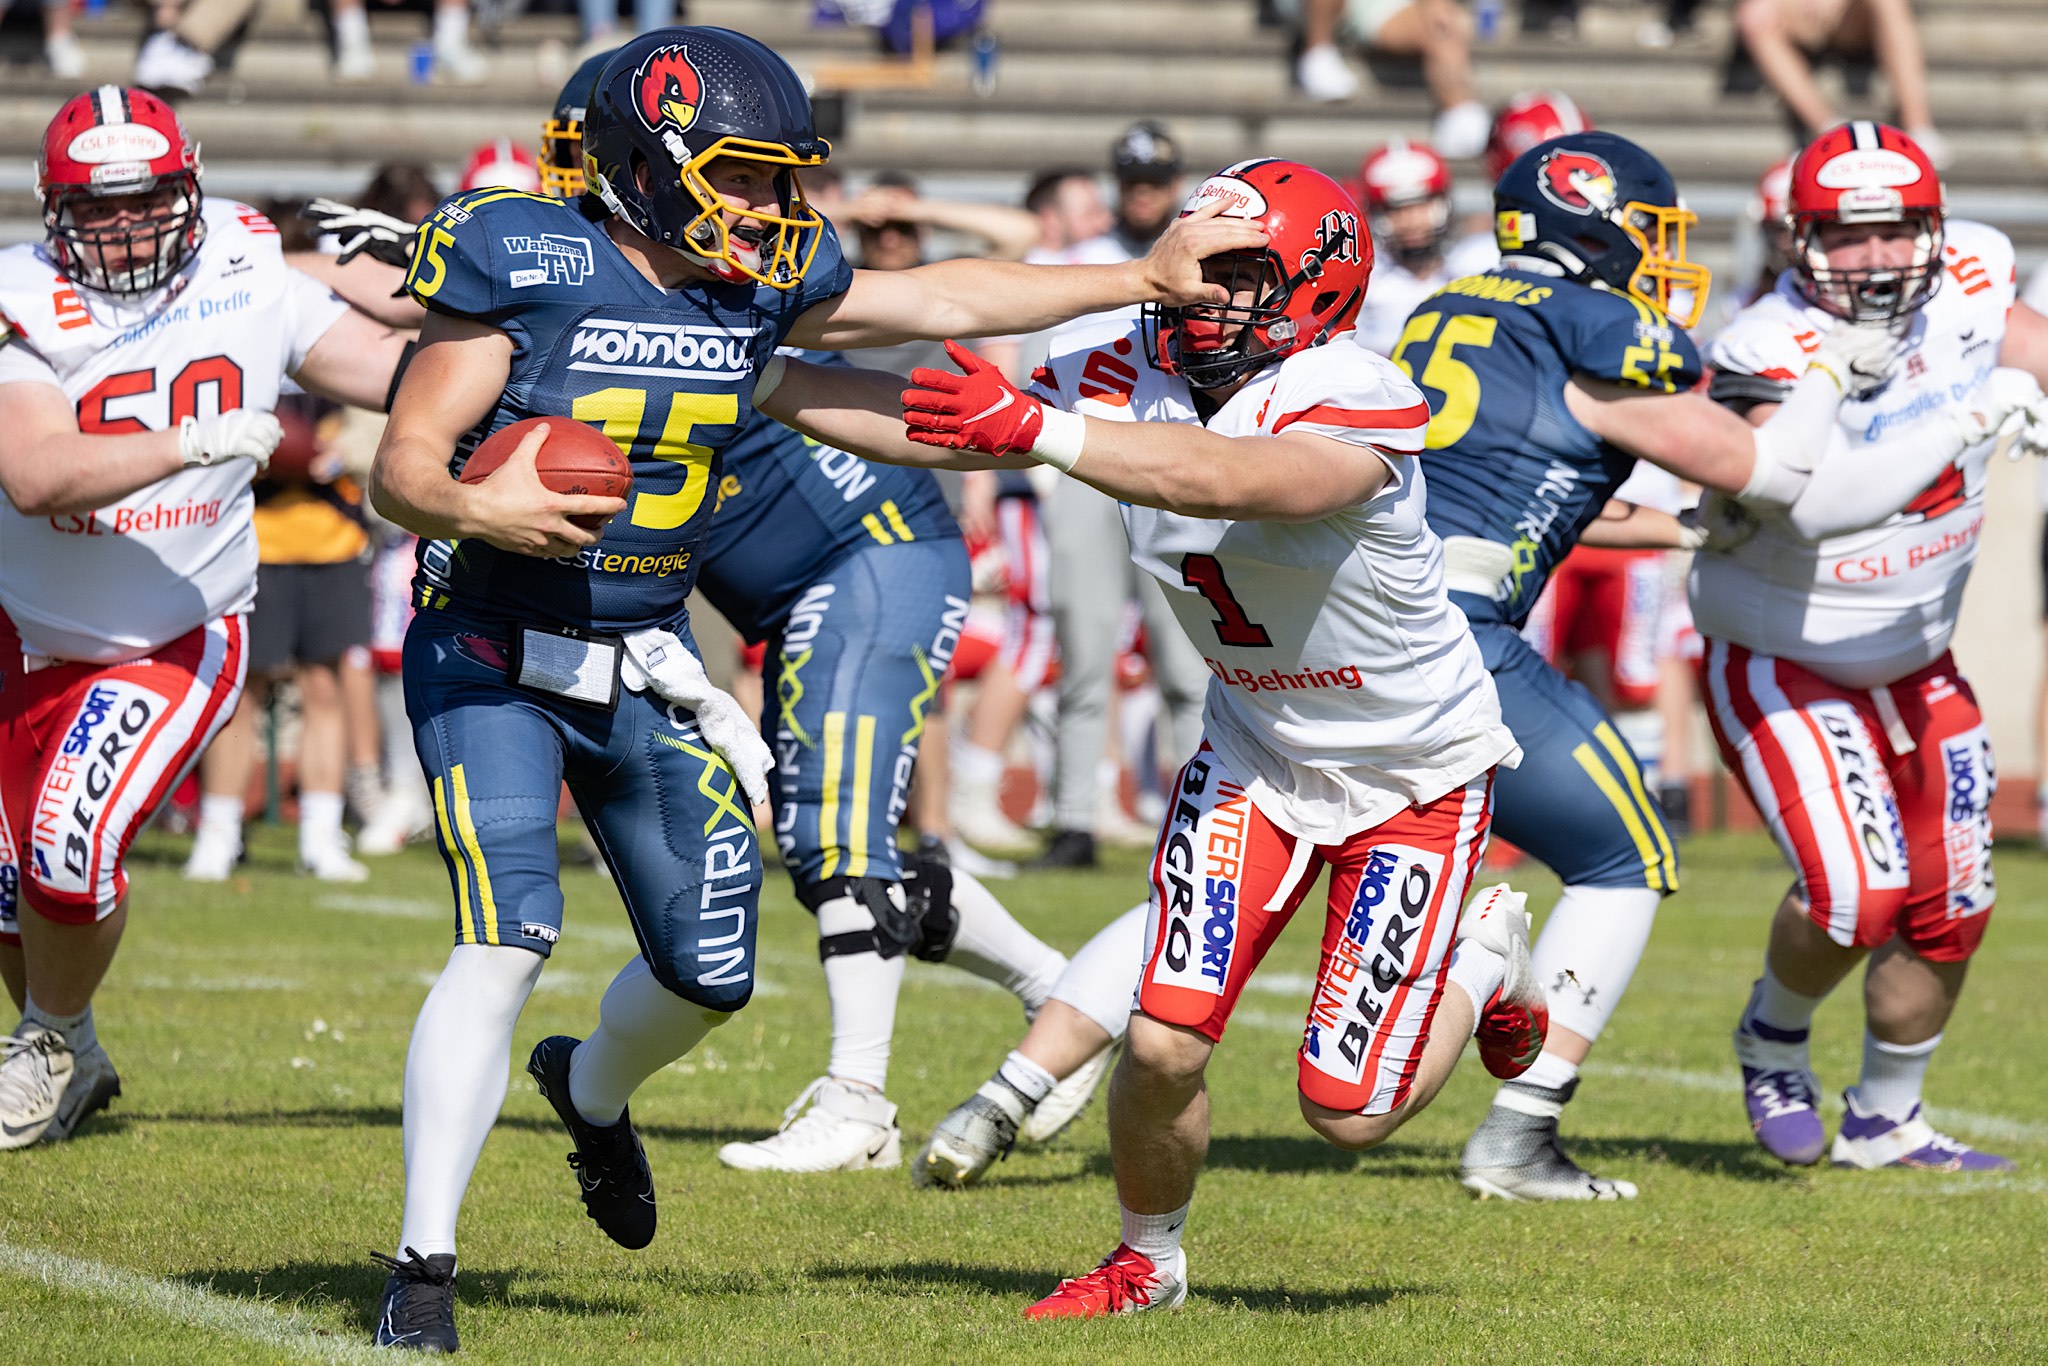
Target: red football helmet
(1771,211)
(1305,286)
(1397,176)
(119,181)
(1529,118)
(500,164)
(1866,172)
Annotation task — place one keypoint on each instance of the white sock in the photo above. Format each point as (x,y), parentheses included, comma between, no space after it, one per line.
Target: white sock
(451,26)
(1480,971)
(352,30)
(1550,1071)
(1155,1235)
(1026,1077)
(991,944)
(1588,951)
(1785,1014)
(1892,1074)
(642,1028)
(456,1070)
(1101,979)
(974,765)
(862,988)
(319,820)
(77,1029)
(220,817)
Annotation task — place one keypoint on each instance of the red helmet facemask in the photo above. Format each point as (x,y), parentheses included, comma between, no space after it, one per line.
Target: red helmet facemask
(1866,173)
(119,144)
(1305,287)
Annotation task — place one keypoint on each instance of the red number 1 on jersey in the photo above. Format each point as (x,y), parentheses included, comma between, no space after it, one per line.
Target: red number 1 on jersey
(1204,574)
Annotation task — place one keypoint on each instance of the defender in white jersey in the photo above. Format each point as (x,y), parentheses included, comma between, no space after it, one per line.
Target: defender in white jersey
(1266,463)
(141,348)
(1830,684)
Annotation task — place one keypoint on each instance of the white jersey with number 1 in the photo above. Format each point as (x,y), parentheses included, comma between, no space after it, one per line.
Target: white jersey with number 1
(120,581)
(1345,685)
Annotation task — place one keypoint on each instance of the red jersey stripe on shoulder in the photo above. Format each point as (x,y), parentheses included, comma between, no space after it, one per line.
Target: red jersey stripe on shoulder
(1778,372)
(1324,415)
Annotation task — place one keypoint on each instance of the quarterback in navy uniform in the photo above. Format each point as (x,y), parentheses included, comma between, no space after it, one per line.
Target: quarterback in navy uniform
(1547,379)
(545,650)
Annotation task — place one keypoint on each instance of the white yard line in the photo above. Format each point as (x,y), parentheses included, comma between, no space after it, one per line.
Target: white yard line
(247,1320)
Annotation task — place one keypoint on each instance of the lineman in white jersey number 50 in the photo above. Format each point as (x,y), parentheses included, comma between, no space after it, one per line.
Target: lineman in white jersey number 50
(1267,467)
(141,348)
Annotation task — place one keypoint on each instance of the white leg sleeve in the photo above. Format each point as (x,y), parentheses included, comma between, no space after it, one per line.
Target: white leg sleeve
(1101,980)
(456,1070)
(863,988)
(1589,949)
(991,944)
(642,1028)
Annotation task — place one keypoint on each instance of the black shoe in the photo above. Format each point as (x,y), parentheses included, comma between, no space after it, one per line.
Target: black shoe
(611,1166)
(418,1310)
(1069,849)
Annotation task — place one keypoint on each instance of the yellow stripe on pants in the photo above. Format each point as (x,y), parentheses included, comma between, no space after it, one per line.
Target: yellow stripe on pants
(465,921)
(466,828)
(1646,848)
(863,774)
(834,742)
(1653,816)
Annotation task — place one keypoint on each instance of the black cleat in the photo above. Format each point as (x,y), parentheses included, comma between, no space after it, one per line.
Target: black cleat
(418,1310)
(1069,849)
(611,1167)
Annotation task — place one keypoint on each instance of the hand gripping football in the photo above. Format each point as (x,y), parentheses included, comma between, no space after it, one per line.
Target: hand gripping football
(576,458)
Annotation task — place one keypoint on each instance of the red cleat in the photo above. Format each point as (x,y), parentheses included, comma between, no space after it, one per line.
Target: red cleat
(1510,1034)
(1127,1282)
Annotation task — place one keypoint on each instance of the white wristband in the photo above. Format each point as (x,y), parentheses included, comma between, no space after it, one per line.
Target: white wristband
(1059,441)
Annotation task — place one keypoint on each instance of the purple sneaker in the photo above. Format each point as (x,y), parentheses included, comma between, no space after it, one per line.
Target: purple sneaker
(1870,1140)
(1782,1096)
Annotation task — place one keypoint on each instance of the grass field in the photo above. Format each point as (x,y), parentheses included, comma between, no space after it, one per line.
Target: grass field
(223,1209)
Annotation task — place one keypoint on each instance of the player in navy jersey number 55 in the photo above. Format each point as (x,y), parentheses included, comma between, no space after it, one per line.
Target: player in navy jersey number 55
(546,652)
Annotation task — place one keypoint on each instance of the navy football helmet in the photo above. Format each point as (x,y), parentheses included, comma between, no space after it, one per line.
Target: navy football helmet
(670,102)
(561,136)
(1603,211)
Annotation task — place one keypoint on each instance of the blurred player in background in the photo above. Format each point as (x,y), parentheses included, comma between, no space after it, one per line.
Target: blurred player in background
(141,347)
(1405,190)
(1831,687)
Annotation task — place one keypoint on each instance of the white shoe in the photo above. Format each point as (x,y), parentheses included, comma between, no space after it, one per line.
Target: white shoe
(1461,131)
(329,861)
(94,1083)
(355,62)
(1065,1102)
(65,56)
(979,820)
(460,63)
(1322,75)
(165,63)
(213,857)
(35,1070)
(403,818)
(1497,918)
(849,1129)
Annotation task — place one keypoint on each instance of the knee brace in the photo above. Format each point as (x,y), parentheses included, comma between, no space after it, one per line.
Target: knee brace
(915,916)
(928,889)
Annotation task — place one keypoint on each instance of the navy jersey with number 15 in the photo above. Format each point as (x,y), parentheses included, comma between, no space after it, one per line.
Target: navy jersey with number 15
(1507,463)
(668,375)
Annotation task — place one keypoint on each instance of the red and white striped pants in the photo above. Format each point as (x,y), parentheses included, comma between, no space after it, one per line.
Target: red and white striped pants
(1879,797)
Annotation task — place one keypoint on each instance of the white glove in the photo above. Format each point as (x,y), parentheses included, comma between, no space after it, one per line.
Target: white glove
(386,238)
(659,661)
(1718,523)
(237,434)
(2008,405)
(1861,356)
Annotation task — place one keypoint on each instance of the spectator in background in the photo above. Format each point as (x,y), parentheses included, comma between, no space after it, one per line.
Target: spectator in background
(355,60)
(178,55)
(1093,577)
(893,222)
(60,45)
(1068,205)
(601,32)
(1437,31)
(1783,36)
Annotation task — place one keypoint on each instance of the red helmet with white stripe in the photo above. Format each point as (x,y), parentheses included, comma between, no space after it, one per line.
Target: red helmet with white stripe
(1399,176)
(119,181)
(1859,173)
(502,164)
(1305,286)
(1770,210)
(1527,119)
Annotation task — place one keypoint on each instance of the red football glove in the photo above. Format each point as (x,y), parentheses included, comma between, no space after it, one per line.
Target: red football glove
(978,410)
